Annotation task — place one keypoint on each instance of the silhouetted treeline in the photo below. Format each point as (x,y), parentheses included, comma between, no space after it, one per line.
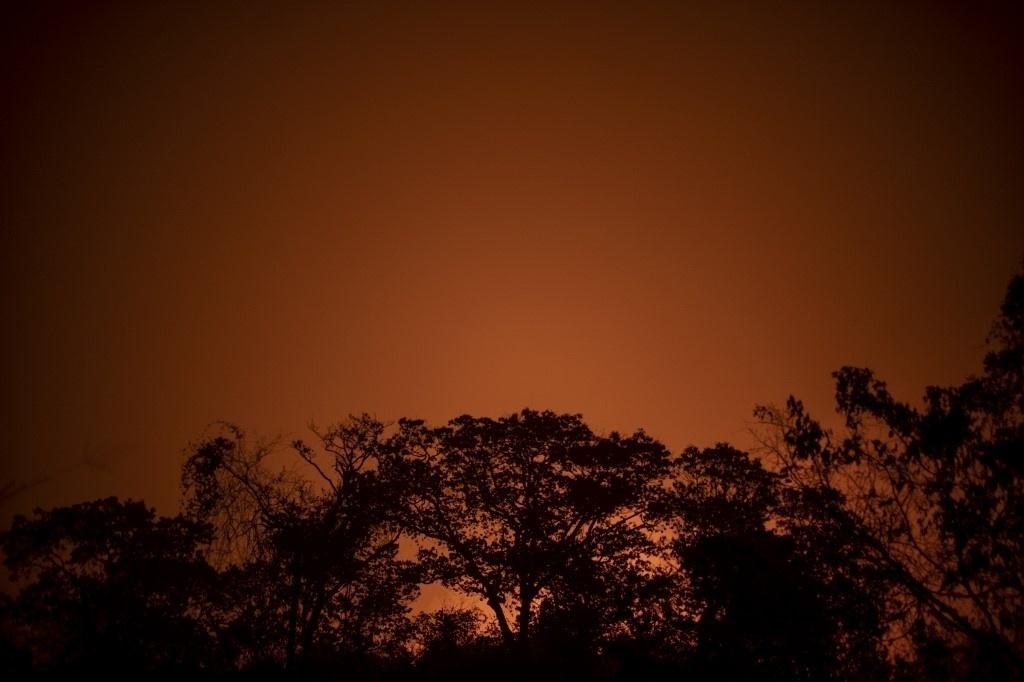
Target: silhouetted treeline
(888,548)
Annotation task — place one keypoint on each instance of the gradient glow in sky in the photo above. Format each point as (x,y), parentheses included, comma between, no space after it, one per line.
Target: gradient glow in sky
(656,214)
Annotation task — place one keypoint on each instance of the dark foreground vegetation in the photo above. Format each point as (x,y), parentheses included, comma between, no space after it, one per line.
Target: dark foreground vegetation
(886,548)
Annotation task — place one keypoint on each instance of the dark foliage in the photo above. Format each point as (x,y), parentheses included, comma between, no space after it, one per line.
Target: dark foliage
(112,586)
(889,547)
(930,501)
(523,510)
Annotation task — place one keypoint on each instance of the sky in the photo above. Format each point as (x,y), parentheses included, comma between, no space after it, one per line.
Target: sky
(654,214)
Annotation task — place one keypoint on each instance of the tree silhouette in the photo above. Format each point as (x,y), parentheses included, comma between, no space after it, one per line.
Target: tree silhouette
(113,586)
(515,505)
(933,496)
(322,547)
(451,641)
(889,547)
(764,590)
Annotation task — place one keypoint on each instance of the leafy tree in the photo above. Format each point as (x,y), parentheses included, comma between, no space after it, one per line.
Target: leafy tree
(317,547)
(764,591)
(512,508)
(897,533)
(451,641)
(111,586)
(933,496)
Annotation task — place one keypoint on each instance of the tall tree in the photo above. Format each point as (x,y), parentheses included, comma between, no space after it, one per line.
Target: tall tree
(510,508)
(109,585)
(321,538)
(764,590)
(933,494)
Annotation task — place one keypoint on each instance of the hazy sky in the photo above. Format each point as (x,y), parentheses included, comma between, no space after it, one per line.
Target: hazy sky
(654,214)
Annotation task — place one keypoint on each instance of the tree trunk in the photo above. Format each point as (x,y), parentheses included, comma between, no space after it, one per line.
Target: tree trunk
(293,623)
(312,624)
(526,595)
(499,613)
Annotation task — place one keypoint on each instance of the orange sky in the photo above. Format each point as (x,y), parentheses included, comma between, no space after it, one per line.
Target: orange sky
(654,214)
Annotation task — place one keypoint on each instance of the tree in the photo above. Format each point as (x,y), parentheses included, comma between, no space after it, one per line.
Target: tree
(932,495)
(112,586)
(450,642)
(763,589)
(510,508)
(319,543)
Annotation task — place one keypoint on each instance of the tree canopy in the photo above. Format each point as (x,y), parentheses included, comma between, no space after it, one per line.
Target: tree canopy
(518,506)
(887,545)
(932,496)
